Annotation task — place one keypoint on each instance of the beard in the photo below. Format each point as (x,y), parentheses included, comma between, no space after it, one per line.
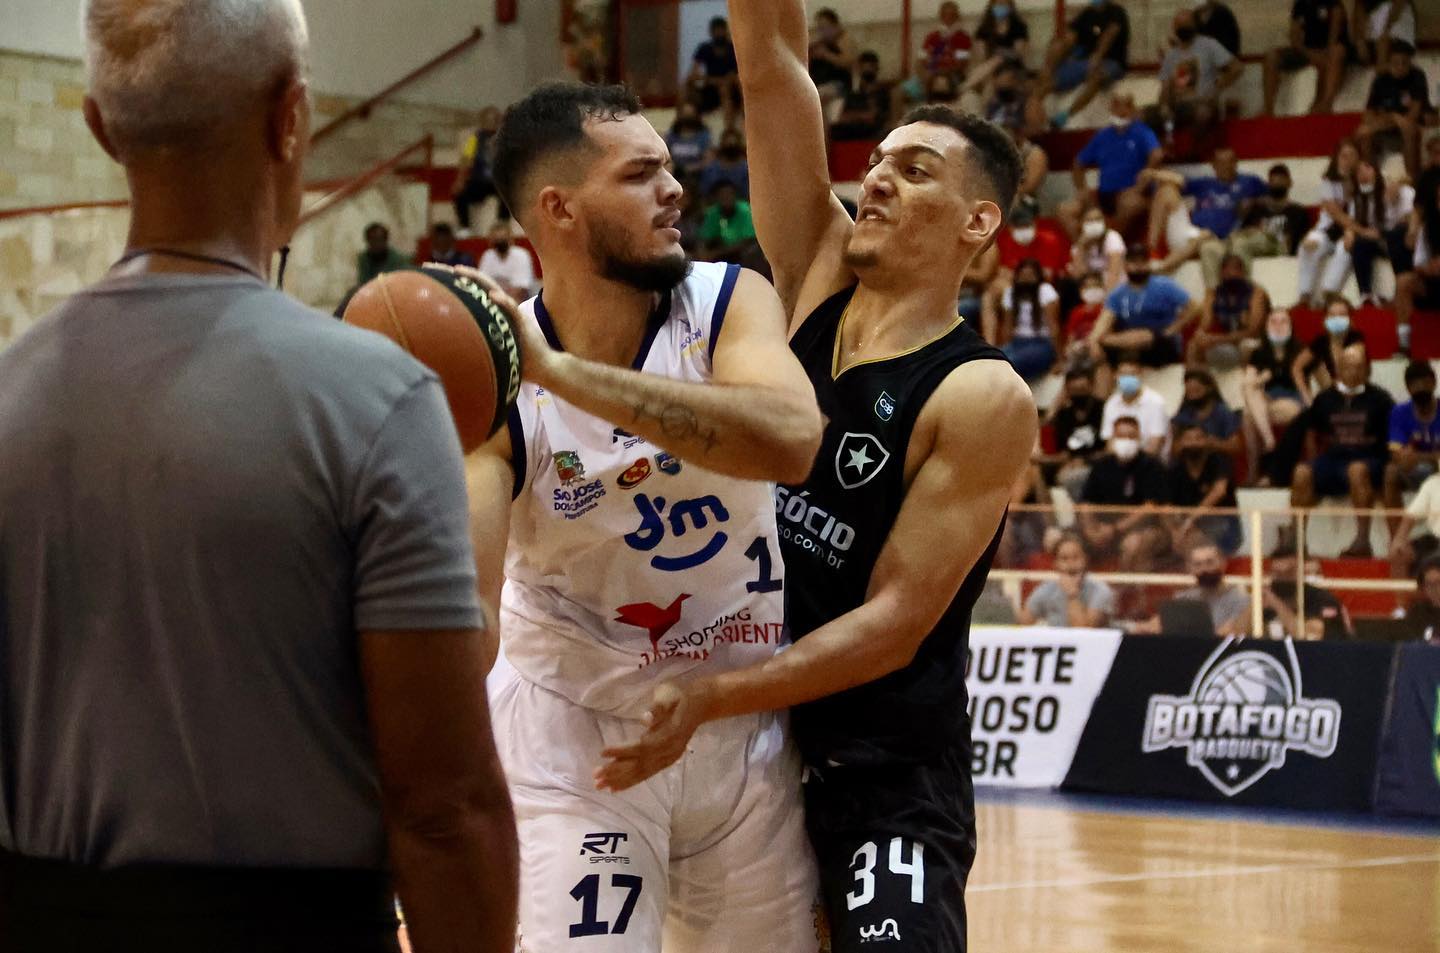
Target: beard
(617,264)
(856,258)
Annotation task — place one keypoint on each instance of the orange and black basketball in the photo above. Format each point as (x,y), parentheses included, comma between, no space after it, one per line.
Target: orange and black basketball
(450,324)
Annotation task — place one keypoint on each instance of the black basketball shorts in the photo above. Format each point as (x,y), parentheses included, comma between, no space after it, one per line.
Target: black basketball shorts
(895,845)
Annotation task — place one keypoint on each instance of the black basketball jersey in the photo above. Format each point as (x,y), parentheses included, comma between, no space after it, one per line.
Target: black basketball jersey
(832,529)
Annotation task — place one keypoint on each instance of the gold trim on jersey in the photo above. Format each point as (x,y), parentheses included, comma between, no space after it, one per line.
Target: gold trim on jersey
(836,373)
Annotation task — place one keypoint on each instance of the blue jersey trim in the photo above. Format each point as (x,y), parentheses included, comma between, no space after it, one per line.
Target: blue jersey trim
(722,304)
(518,458)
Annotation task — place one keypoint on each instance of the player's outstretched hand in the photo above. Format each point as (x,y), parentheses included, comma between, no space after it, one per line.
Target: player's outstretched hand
(538,357)
(674,715)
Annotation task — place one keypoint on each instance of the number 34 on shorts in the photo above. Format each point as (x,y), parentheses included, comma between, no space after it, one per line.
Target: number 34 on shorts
(863,865)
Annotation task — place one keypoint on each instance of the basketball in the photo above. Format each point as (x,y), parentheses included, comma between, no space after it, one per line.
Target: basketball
(452,326)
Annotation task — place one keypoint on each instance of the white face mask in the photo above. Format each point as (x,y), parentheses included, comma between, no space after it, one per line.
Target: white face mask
(1347,390)
(1125,448)
(1093,229)
(1092,295)
(1367,187)
(1023,236)
(1119,122)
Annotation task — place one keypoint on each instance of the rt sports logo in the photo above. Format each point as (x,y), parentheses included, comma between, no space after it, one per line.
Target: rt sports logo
(1245,711)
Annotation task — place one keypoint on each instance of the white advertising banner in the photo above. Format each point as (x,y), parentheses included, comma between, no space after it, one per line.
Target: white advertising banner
(1031,691)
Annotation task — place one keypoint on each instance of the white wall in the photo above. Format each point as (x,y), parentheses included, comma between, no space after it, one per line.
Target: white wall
(358,48)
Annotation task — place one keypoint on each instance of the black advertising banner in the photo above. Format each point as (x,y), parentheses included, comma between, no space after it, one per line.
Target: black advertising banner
(1410,753)
(1242,721)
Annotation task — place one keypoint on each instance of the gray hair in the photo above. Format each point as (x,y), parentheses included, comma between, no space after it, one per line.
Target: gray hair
(168,72)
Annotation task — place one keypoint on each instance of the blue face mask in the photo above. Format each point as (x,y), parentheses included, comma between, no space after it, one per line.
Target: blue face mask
(1129,384)
(1001,11)
(1337,324)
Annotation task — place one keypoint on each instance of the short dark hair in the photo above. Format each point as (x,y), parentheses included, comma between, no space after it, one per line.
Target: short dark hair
(870,56)
(825,13)
(1418,371)
(1279,168)
(1137,250)
(442,228)
(548,121)
(1127,419)
(1127,357)
(1426,565)
(1080,374)
(374,225)
(1402,46)
(995,151)
(719,21)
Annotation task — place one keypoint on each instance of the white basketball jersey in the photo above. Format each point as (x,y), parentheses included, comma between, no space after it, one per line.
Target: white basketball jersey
(627,565)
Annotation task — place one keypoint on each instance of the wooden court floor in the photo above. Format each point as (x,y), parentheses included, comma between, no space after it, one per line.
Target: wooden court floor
(1053,878)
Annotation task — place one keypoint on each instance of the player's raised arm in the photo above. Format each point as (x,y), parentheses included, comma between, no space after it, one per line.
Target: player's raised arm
(800,223)
(959,494)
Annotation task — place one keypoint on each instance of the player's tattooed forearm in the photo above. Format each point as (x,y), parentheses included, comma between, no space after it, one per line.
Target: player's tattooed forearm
(677,422)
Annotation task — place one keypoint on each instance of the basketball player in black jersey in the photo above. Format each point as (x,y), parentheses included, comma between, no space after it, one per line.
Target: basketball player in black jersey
(888,541)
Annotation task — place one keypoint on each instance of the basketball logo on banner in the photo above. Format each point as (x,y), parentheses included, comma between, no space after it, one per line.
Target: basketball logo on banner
(1245,710)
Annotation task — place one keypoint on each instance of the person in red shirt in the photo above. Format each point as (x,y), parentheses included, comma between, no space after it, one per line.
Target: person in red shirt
(1027,237)
(1082,318)
(946,50)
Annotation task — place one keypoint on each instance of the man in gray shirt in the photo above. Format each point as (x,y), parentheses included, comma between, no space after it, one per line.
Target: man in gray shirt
(241,646)
(1229,605)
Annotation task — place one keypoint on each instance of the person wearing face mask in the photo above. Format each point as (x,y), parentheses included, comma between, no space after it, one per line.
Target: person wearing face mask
(1321,359)
(1121,152)
(1325,616)
(1026,236)
(866,112)
(443,249)
(946,49)
(1202,478)
(1099,249)
(507,265)
(1363,221)
(1229,605)
(1003,38)
(688,140)
(1147,314)
(1128,477)
(1074,599)
(1030,321)
(1084,316)
(1399,95)
(1273,225)
(1092,53)
(713,79)
(1076,420)
(1270,397)
(1203,407)
(1142,404)
(729,165)
(1352,422)
(1414,437)
(1195,72)
(1389,208)
(832,54)
(1232,314)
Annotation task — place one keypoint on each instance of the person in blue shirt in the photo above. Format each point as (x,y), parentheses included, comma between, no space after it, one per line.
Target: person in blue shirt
(1121,152)
(1414,437)
(1146,314)
(1221,202)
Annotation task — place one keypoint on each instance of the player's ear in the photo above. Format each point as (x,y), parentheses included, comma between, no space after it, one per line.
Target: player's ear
(555,207)
(985,221)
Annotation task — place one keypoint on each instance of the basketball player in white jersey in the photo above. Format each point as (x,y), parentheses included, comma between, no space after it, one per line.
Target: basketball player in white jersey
(927,429)
(659,400)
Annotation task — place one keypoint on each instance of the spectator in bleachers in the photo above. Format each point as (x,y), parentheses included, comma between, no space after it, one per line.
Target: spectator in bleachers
(714,80)
(946,49)
(1025,236)
(1098,249)
(1319,37)
(1081,320)
(728,231)
(378,257)
(1272,226)
(832,55)
(1035,167)
(865,113)
(1336,187)
(1232,314)
(688,140)
(1136,401)
(1093,52)
(1007,104)
(1229,605)
(1399,94)
(1203,407)
(1003,38)
(1122,151)
(1129,477)
(1030,321)
(473,181)
(443,249)
(1322,358)
(1203,477)
(1352,420)
(1325,616)
(1074,599)
(1414,436)
(1076,419)
(1420,287)
(1393,216)
(1221,202)
(1406,548)
(508,265)
(1270,397)
(1377,24)
(1195,72)
(729,164)
(1147,313)
(1429,178)
(1325,257)
(1423,612)
(1217,21)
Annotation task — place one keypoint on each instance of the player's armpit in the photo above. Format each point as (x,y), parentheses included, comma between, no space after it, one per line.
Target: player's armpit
(801,225)
(489,485)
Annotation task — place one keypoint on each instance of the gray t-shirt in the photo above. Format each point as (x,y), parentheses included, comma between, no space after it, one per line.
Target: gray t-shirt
(1227,605)
(1048,602)
(1197,69)
(207,491)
